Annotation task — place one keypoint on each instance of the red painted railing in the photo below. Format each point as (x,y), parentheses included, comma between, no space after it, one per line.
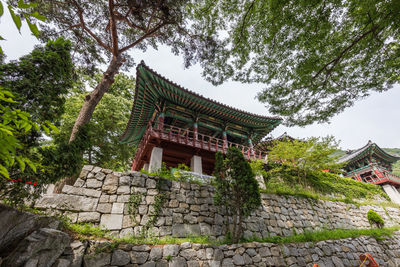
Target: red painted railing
(191,138)
(376,175)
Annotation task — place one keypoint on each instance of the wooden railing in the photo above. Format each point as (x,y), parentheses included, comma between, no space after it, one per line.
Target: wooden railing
(206,142)
(373,178)
(191,138)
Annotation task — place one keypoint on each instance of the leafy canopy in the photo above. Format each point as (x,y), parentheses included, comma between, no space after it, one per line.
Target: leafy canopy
(107,123)
(316,57)
(12,122)
(20,11)
(312,154)
(40,80)
(100,30)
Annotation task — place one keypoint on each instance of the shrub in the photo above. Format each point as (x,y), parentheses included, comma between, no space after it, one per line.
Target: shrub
(375,218)
(236,188)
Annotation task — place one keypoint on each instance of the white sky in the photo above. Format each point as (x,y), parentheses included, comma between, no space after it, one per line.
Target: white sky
(375,118)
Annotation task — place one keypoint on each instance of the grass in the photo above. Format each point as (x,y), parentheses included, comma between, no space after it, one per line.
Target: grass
(90,231)
(322,235)
(164,240)
(85,230)
(322,186)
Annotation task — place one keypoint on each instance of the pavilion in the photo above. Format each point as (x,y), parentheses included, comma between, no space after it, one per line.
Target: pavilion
(174,125)
(371,164)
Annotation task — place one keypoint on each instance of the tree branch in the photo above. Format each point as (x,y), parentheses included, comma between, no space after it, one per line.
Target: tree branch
(113,27)
(125,18)
(150,20)
(147,34)
(83,25)
(244,21)
(336,60)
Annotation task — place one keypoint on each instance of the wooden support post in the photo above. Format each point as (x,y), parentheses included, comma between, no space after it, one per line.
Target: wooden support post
(195,131)
(251,150)
(225,141)
(160,125)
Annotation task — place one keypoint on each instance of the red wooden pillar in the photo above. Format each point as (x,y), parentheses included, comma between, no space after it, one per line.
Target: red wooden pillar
(195,133)
(251,149)
(225,139)
(358,177)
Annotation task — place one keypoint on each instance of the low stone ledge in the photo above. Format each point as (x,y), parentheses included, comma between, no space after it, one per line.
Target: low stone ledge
(67,202)
(73,190)
(339,253)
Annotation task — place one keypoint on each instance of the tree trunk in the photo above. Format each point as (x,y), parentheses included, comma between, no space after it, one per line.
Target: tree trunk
(240,228)
(92,99)
(234,227)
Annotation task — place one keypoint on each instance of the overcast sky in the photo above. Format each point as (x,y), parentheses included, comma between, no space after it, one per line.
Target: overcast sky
(375,118)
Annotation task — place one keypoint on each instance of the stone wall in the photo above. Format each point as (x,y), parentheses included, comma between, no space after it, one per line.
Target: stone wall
(37,241)
(331,253)
(101,196)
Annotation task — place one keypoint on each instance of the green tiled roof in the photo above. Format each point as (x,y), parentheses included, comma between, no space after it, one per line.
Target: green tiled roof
(370,147)
(151,88)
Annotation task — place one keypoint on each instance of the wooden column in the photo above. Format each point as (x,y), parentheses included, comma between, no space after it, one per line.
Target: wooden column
(160,125)
(225,139)
(251,148)
(195,131)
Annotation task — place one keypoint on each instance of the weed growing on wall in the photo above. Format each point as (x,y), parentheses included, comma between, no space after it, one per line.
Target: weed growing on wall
(133,205)
(374,218)
(159,200)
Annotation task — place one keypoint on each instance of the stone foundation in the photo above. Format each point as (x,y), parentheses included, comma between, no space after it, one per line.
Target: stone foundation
(339,253)
(37,240)
(101,197)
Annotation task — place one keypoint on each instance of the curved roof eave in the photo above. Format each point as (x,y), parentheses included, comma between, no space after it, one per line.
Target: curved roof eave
(151,86)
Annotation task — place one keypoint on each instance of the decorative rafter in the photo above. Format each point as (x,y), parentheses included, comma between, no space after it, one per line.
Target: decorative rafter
(151,87)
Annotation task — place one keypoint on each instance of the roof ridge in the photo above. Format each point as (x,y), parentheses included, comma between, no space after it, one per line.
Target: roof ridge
(143,64)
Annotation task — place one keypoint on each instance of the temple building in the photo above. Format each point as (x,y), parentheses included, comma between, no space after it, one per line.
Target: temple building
(174,125)
(371,164)
(268,143)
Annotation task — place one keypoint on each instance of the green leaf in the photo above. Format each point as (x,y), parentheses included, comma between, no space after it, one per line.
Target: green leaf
(8,93)
(30,164)
(46,130)
(53,128)
(38,16)
(1,51)
(28,127)
(33,28)
(22,5)
(6,131)
(1,9)
(16,19)
(4,171)
(36,127)
(21,163)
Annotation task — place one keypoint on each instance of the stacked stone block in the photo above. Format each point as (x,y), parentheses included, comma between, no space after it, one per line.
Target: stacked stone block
(101,196)
(338,253)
